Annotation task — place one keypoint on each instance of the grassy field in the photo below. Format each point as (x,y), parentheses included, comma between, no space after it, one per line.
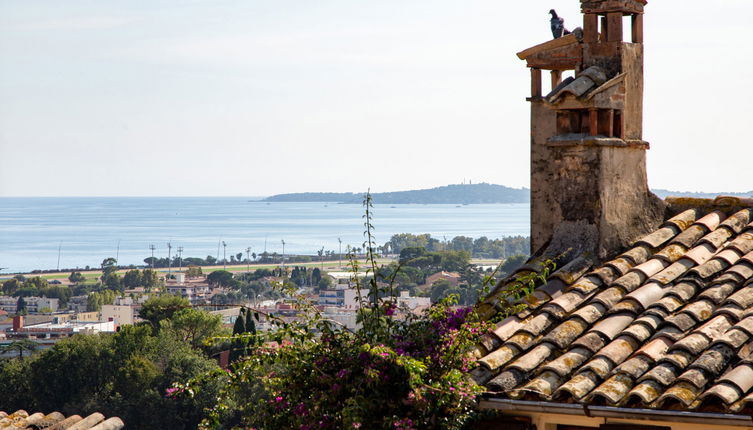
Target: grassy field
(329,266)
(93,275)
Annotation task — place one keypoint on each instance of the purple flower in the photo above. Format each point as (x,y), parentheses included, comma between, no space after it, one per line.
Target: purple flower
(301,410)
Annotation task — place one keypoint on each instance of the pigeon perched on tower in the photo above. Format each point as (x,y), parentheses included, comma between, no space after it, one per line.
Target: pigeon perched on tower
(558,25)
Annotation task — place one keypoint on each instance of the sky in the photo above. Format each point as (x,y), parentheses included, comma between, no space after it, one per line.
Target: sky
(253,98)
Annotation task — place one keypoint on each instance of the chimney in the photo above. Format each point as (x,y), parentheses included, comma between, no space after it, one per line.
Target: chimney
(589,189)
(18,322)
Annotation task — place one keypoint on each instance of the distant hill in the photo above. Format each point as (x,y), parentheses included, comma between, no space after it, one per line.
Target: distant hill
(458,194)
(450,194)
(661,193)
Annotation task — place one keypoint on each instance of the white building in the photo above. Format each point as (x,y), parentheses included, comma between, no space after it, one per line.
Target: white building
(346,298)
(405,300)
(120,315)
(33,304)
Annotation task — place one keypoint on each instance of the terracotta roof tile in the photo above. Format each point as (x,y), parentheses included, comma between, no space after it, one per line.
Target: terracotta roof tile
(712,220)
(636,366)
(57,421)
(666,324)
(689,237)
(637,255)
(565,363)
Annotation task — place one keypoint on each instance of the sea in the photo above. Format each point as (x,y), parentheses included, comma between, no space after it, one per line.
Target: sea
(48,233)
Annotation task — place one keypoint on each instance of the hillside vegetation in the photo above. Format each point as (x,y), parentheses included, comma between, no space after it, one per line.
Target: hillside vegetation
(449,194)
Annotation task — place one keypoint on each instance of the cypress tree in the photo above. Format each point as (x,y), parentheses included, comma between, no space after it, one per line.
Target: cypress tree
(250,324)
(240,322)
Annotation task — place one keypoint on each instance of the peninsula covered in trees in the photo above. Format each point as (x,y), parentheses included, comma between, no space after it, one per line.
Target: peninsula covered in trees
(458,194)
(449,194)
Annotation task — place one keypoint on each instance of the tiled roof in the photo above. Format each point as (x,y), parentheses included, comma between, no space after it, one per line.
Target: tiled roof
(56,421)
(668,324)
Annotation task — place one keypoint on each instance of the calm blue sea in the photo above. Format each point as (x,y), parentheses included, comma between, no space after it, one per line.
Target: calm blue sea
(87,230)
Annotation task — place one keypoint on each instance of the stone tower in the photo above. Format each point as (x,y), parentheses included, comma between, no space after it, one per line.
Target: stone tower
(589,191)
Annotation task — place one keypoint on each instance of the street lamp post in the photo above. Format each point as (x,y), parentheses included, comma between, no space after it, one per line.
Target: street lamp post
(248,259)
(224,255)
(169,261)
(340,254)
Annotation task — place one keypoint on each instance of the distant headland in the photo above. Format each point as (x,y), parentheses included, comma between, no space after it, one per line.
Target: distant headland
(450,194)
(456,194)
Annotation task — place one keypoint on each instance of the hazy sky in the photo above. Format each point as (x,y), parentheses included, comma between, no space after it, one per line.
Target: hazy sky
(255,97)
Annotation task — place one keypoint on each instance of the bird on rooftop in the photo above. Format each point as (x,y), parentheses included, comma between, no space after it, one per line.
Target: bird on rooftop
(558,25)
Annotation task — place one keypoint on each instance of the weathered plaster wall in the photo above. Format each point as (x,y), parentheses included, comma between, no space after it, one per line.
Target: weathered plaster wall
(591,198)
(632,60)
(543,222)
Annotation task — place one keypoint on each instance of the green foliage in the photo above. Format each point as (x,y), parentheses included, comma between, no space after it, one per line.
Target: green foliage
(407,373)
(478,248)
(132,279)
(96,300)
(159,308)
(19,346)
(193,271)
(76,278)
(11,286)
(21,306)
(193,326)
(512,263)
(126,374)
(221,278)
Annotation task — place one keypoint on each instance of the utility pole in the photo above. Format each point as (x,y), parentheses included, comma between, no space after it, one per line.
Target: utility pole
(218,249)
(117,254)
(248,259)
(180,258)
(60,245)
(340,254)
(224,256)
(321,258)
(151,262)
(283,253)
(169,261)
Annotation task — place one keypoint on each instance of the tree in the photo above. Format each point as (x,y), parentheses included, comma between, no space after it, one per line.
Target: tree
(150,279)
(11,286)
(411,253)
(76,278)
(160,308)
(132,279)
(239,256)
(36,282)
(193,271)
(244,324)
(194,326)
(109,266)
(221,278)
(20,345)
(21,306)
(454,261)
(325,283)
(439,290)
(512,263)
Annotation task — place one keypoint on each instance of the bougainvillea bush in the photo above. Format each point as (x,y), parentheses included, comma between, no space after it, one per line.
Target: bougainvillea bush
(391,373)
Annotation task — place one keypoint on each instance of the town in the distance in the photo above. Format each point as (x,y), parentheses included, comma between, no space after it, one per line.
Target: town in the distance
(41,308)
